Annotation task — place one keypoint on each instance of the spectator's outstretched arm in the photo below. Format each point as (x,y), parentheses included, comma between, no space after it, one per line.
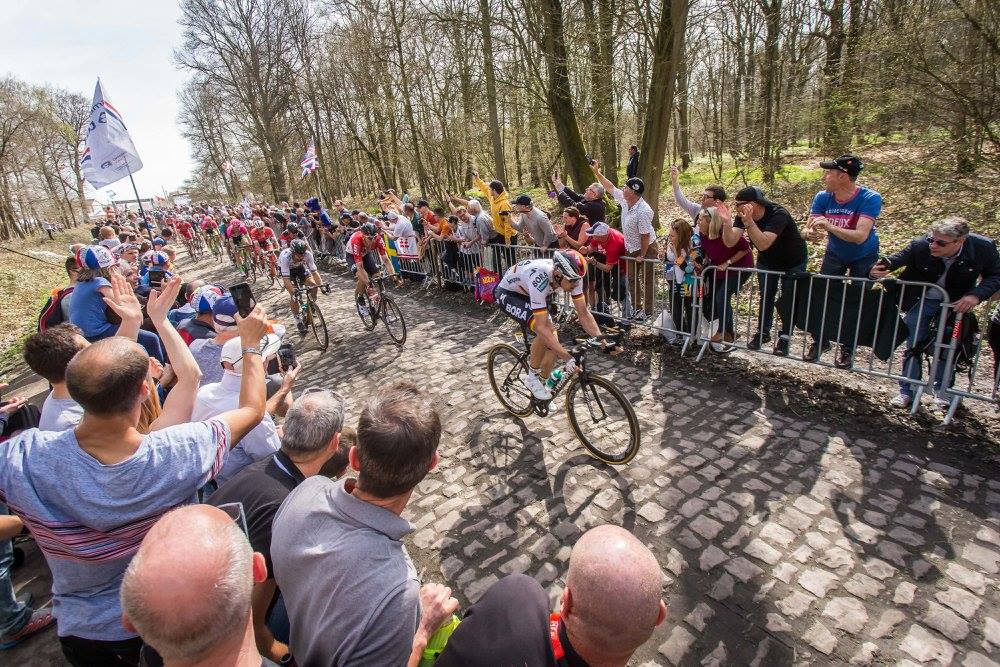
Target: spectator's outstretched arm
(455,199)
(179,404)
(483,186)
(253,388)
(601,178)
(121,299)
(682,201)
(287,381)
(903,257)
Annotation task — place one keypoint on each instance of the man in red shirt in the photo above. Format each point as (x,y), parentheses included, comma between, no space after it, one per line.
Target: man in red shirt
(363,249)
(266,242)
(605,250)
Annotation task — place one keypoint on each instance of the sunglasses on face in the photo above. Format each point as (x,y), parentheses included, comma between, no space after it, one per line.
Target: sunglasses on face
(941,243)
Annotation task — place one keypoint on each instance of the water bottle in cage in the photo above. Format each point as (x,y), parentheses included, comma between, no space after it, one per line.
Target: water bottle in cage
(554,378)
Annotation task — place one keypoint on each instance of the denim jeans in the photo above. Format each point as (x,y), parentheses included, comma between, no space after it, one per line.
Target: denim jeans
(720,304)
(13,615)
(768,286)
(917,321)
(834,266)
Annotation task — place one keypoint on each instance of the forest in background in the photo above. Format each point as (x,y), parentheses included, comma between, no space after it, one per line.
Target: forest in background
(418,94)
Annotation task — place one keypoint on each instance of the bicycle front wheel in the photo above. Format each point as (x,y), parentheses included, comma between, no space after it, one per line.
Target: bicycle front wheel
(393,320)
(251,268)
(506,369)
(367,312)
(318,325)
(603,419)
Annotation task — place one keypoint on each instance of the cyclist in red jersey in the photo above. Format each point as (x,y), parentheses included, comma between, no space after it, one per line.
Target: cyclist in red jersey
(363,249)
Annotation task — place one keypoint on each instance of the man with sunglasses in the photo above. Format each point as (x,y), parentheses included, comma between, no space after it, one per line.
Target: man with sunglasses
(712,195)
(363,250)
(965,265)
(523,295)
(845,213)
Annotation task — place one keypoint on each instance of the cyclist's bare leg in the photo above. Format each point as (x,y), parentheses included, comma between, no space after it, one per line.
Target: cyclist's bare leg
(541,358)
(293,303)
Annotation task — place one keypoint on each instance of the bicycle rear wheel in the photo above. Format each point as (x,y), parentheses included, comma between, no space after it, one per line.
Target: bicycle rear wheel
(506,368)
(392,318)
(363,306)
(318,326)
(603,419)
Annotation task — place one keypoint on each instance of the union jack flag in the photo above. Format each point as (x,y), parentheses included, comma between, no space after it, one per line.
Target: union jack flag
(309,162)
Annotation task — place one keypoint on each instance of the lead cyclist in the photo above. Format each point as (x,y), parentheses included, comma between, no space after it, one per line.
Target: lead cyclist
(524,293)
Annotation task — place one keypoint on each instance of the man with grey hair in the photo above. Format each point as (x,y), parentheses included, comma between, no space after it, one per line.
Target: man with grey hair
(609,608)
(310,445)
(590,203)
(352,592)
(965,265)
(187,590)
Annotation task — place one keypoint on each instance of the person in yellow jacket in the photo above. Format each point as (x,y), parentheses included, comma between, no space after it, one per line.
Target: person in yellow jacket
(500,211)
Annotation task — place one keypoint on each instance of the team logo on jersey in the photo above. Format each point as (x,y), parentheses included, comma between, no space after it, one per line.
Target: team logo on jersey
(541,282)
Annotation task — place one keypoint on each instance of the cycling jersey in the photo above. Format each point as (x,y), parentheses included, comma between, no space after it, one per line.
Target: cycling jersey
(533,279)
(263,236)
(209,226)
(236,229)
(185,229)
(357,245)
(287,264)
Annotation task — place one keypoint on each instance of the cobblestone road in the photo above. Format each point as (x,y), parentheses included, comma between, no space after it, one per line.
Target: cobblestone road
(785,542)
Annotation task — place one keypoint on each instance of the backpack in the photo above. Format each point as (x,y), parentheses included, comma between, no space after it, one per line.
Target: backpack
(52,312)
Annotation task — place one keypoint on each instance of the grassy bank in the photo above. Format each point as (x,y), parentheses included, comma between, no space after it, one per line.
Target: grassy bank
(25,284)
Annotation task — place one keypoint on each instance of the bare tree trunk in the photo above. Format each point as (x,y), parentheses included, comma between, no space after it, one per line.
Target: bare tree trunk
(496,139)
(669,45)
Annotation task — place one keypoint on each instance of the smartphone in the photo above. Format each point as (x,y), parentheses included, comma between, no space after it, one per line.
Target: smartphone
(243,298)
(590,159)
(882,261)
(286,356)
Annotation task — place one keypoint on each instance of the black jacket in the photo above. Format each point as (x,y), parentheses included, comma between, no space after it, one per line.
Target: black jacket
(594,210)
(632,168)
(977,259)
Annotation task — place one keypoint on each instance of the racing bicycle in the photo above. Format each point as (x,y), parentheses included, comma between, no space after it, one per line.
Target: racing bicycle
(377,305)
(267,264)
(311,314)
(600,414)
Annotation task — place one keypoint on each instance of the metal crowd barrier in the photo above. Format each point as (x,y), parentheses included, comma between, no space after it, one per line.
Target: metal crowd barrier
(974,376)
(864,317)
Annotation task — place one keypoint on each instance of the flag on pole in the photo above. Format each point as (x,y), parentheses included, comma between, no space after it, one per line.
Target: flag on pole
(309,162)
(227,166)
(108,153)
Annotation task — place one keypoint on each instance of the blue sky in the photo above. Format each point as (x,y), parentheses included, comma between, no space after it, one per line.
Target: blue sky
(70,43)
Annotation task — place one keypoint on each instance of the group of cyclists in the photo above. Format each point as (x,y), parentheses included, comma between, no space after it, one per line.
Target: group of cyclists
(281,240)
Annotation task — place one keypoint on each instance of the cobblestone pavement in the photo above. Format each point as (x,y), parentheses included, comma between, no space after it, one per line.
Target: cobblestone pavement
(784,541)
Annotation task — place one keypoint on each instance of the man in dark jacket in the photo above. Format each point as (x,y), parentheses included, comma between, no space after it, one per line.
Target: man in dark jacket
(966,266)
(590,203)
(632,168)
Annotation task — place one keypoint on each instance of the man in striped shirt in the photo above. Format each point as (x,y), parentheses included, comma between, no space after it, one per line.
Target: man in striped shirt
(90,494)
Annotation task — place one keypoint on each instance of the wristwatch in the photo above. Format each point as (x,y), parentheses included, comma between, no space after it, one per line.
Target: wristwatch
(251,350)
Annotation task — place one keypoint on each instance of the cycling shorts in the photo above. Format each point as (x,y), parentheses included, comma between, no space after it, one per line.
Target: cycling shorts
(516,306)
(368,260)
(298,275)
(210,230)
(237,241)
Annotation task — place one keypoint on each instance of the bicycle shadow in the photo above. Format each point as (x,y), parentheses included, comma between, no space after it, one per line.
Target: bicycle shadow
(523,519)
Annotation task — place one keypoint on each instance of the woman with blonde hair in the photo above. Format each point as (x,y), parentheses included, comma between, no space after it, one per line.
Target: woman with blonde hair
(724,248)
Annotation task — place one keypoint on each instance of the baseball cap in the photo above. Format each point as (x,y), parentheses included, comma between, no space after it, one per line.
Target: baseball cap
(224,313)
(158,241)
(847,163)
(94,257)
(752,193)
(232,351)
(160,259)
(599,229)
(636,185)
(522,200)
(313,204)
(204,298)
(345,215)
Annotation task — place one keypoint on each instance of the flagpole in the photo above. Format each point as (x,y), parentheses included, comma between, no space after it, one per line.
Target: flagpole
(142,212)
(319,188)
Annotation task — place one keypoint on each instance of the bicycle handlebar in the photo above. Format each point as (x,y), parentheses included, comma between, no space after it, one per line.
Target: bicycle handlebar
(593,343)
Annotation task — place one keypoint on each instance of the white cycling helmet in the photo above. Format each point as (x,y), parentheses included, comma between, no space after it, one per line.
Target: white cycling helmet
(570,264)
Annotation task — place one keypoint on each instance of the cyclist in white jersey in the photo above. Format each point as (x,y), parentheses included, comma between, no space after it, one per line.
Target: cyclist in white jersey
(297,267)
(523,294)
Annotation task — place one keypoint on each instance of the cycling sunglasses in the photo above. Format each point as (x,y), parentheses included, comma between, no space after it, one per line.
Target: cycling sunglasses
(941,244)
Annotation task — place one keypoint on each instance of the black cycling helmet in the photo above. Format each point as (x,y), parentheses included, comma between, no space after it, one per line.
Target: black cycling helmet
(570,263)
(369,229)
(299,247)
(291,227)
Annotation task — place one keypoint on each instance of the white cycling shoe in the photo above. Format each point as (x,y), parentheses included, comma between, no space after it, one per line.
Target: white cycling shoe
(537,387)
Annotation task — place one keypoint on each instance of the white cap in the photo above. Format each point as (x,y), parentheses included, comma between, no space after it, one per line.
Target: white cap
(232,351)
